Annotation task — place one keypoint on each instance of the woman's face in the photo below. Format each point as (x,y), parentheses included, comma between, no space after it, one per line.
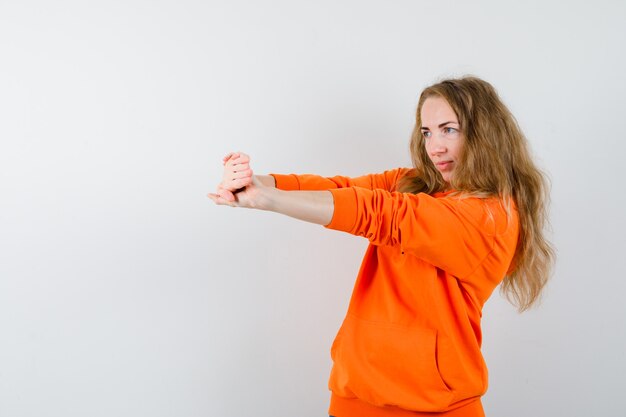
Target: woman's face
(442,135)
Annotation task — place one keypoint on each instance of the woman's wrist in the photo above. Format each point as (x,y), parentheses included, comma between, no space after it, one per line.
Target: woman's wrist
(266,180)
(268,198)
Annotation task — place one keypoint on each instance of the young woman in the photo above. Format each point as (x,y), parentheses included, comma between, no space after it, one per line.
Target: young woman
(468,216)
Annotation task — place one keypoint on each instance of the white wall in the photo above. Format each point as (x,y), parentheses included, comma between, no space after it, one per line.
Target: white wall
(125,292)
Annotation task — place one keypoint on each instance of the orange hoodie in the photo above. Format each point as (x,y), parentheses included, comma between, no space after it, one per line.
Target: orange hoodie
(410,342)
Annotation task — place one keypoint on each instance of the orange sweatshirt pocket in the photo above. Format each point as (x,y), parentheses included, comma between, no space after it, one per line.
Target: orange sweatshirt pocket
(386,364)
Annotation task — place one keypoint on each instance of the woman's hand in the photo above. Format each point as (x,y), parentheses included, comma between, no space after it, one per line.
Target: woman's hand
(252,196)
(239,188)
(237,175)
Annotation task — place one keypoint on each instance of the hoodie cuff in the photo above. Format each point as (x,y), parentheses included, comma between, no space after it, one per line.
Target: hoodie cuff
(286,182)
(345,212)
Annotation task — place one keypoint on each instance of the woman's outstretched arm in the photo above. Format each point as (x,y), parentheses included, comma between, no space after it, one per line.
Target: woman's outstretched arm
(310,206)
(240,188)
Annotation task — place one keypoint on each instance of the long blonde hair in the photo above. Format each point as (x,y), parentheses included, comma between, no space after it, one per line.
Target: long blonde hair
(495,162)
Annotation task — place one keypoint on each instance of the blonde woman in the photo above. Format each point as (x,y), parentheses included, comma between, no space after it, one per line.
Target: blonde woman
(468,216)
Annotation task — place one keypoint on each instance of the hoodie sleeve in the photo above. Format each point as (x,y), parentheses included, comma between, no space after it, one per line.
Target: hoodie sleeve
(453,234)
(384,181)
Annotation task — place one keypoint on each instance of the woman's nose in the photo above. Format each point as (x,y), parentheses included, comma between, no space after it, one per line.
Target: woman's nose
(438,146)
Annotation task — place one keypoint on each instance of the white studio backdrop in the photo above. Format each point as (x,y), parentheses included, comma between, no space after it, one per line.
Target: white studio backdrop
(125,292)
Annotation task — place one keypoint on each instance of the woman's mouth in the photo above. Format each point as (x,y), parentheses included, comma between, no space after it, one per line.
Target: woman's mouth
(443,165)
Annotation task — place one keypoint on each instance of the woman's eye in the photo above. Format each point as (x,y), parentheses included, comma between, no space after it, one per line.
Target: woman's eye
(449,130)
(426,133)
